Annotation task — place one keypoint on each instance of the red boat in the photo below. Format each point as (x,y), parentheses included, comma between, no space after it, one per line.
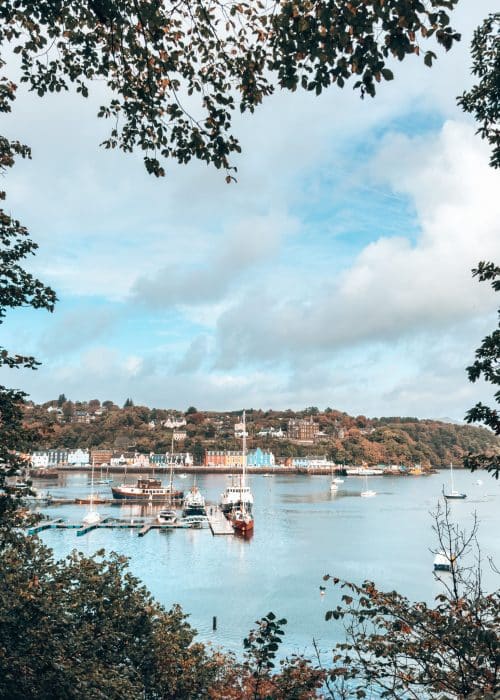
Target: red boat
(242,522)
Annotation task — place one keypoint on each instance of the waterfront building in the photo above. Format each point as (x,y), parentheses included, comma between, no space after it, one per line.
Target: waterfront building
(234,458)
(260,458)
(78,457)
(120,459)
(49,458)
(100,456)
(158,460)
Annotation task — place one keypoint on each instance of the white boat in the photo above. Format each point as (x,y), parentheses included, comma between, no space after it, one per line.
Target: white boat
(238,495)
(196,521)
(92,517)
(364,471)
(453,494)
(337,480)
(367,493)
(104,479)
(166,517)
(182,476)
(442,562)
(194,502)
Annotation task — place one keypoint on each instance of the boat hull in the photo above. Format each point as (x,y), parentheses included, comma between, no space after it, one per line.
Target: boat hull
(243,526)
(457,496)
(121,494)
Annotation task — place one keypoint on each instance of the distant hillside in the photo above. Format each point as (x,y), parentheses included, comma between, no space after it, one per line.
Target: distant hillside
(343,438)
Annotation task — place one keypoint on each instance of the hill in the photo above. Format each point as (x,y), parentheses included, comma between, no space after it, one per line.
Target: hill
(331,433)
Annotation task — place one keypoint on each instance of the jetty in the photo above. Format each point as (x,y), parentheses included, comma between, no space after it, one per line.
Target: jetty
(143,526)
(218,522)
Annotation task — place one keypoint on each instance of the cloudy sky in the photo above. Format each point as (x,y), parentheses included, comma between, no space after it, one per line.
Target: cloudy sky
(336,272)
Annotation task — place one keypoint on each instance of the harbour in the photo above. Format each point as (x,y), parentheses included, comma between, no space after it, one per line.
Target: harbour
(302,531)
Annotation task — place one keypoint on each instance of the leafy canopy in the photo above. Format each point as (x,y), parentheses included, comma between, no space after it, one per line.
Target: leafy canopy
(487,366)
(176,71)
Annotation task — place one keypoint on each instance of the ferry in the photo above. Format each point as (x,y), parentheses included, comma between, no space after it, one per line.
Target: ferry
(147,490)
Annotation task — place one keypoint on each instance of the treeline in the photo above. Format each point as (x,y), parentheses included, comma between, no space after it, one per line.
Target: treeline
(341,437)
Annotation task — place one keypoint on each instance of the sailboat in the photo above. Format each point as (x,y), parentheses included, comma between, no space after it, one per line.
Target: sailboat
(453,493)
(334,481)
(241,518)
(92,517)
(367,493)
(105,479)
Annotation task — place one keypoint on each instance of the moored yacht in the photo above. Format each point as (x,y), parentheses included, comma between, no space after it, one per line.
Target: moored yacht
(194,502)
(147,490)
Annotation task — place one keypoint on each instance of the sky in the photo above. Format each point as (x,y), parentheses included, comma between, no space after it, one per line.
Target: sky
(336,271)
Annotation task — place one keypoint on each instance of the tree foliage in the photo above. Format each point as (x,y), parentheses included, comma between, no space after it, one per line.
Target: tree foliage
(483,100)
(85,627)
(176,71)
(487,366)
(398,649)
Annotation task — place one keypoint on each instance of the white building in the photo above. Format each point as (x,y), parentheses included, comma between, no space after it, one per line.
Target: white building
(78,457)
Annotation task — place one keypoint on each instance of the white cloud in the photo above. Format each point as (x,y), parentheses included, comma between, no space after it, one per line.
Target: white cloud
(395,286)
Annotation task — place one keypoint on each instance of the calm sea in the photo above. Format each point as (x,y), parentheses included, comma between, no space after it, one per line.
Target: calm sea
(301,533)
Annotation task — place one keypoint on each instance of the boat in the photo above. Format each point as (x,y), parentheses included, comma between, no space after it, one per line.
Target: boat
(105,478)
(242,521)
(241,515)
(44,473)
(334,481)
(194,502)
(92,517)
(453,494)
(237,494)
(367,493)
(195,520)
(166,517)
(442,562)
(364,471)
(182,476)
(146,490)
(92,498)
(36,497)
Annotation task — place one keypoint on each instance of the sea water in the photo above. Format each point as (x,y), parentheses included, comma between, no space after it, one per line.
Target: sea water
(302,532)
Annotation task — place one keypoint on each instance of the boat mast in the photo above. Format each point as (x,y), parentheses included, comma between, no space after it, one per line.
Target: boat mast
(451,474)
(92,487)
(172,463)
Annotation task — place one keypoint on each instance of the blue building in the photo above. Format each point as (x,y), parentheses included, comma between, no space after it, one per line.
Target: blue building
(260,458)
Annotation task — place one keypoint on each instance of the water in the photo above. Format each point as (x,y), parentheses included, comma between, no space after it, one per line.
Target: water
(301,533)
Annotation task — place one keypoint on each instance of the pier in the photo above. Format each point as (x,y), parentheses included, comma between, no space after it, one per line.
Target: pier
(143,526)
(218,522)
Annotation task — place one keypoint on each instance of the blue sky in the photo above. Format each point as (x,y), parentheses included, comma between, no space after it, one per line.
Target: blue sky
(336,272)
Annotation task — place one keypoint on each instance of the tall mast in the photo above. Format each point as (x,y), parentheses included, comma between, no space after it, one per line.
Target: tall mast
(171,463)
(243,480)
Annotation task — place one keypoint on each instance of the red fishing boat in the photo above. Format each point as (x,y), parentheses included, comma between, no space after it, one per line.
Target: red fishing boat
(242,522)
